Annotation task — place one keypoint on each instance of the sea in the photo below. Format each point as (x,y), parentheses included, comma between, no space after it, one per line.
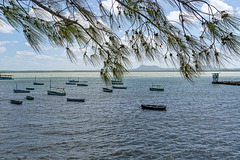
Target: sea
(202,120)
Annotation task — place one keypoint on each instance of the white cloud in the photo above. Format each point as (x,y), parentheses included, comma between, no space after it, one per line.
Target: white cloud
(2,49)
(3,43)
(27,44)
(43,57)
(25,53)
(238,10)
(220,5)
(5,28)
(111,5)
(40,13)
(174,16)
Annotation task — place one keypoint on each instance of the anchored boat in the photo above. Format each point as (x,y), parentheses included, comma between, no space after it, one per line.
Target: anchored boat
(29,97)
(6,77)
(37,83)
(154,107)
(16,101)
(107,90)
(56,93)
(20,90)
(75,100)
(156,88)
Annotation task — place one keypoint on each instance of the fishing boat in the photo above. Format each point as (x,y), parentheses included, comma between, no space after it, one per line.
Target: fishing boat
(16,101)
(20,90)
(75,100)
(28,88)
(119,87)
(56,93)
(156,88)
(154,107)
(107,90)
(82,83)
(37,83)
(74,81)
(70,83)
(115,82)
(6,77)
(29,97)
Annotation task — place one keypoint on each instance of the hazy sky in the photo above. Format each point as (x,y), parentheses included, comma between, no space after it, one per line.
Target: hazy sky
(16,54)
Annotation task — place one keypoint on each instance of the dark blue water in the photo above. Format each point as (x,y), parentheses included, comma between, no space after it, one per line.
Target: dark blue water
(201,121)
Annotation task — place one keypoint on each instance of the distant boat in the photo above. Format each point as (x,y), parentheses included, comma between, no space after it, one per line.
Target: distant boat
(56,93)
(63,93)
(29,88)
(74,81)
(70,83)
(29,97)
(16,101)
(115,82)
(6,77)
(37,83)
(154,107)
(75,100)
(107,90)
(20,90)
(156,88)
(82,83)
(119,87)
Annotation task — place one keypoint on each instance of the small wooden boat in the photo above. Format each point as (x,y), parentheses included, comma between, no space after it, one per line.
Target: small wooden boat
(156,88)
(20,90)
(115,82)
(75,81)
(29,88)
(16,101)
(56,93)
(75,100)
(154,107)
(29,97)
(83,83)
(107,90)
(37,83)
(70,83)
(119,87)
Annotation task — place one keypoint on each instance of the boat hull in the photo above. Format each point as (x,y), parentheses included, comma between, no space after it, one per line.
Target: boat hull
(154,107)
(36,83)
(156,89)
(119,87)
(70,83)
(29,98)
(56,93)
(16,102)
(107,90)
(6,77)
(80,84)
(21,91)
(75,100)
(29,88)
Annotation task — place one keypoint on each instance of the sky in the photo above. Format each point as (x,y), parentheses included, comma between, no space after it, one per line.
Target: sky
(16,53)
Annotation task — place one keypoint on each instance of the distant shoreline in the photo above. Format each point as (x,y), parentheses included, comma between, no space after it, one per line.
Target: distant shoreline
(163,70)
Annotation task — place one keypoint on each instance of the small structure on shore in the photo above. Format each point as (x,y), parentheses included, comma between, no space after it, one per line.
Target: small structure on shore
(215,77)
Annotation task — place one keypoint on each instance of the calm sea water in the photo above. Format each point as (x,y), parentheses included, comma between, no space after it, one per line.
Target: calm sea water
(201,121)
